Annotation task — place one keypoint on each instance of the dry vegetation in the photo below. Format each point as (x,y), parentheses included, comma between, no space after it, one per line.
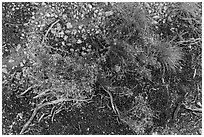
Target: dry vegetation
(69,52)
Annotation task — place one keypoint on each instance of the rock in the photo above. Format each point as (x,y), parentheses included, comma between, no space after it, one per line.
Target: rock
(69,25)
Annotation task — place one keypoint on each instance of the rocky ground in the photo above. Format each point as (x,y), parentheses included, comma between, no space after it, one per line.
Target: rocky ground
(72,55)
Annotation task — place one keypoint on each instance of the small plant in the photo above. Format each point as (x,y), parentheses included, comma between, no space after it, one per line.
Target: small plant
(170,56)
(64,79)
(139,117)
(73,52)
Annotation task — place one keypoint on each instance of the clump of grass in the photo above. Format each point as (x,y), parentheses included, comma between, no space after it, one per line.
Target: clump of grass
(62,79)
(191,8)
(139,117)
(170,56)
(128,22)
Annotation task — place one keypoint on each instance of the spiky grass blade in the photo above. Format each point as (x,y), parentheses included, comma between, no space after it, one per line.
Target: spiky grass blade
(170,56)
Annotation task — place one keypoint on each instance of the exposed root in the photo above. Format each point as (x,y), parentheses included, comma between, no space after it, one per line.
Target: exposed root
(44,93)
(194,110)
(28,89)
(43,105)
(45,36)
(29,121)
(114,107)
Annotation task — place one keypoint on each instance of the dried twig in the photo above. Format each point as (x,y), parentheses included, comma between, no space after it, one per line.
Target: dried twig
(28,89)
(45,36)
(114,107)
(43,105)
(194,110)
(29,121)
(46,92)
(193,41)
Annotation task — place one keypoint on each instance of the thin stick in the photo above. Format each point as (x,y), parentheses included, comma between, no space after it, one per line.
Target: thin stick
(29,121)
(115,109)
(28,89)
(194,73)
(42,94)
(41,117)
(195,110)
(45,36)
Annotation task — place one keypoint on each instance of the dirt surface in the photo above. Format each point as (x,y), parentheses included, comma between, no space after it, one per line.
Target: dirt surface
(105,69)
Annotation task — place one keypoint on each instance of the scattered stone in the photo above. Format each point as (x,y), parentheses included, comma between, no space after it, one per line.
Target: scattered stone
(65,37)
(109,13)
(69,25)
(80,26)
(72,50)
(64,16)
(83,48)
(83,53)
(79,41)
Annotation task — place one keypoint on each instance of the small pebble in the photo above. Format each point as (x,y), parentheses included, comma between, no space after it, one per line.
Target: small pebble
(65,37)
(79,41)
(80,26)
(109,13)
(83,53)
(69,25)
(72,50)
(47,15)
(64,16)
(83,48)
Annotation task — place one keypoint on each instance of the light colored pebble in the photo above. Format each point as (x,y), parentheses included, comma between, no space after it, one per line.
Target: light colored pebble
(90,6)
(69,44)
(83,48)
(65,37)
(47,15)
(89,46)
(4,70)
(79,41)
(83,53)
(97,32)
(67,31)
(199,104)
(80,26)
(109,13)
(11,60)
(64,16)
